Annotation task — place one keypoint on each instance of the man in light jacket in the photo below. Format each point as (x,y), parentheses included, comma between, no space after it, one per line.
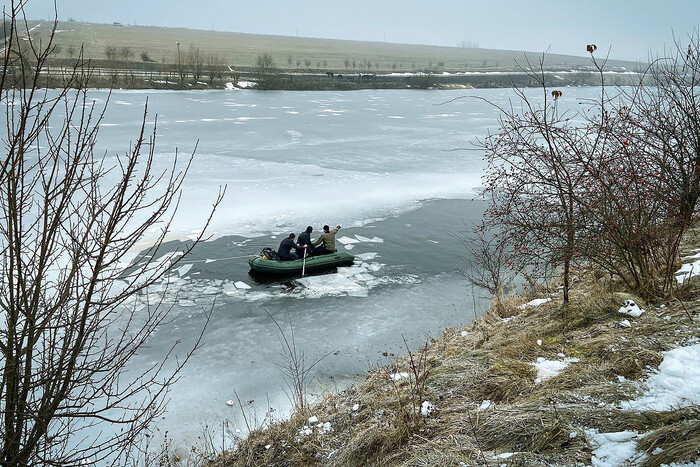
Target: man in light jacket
(326,240)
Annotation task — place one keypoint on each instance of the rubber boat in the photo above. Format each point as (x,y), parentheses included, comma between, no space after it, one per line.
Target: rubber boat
(313,263)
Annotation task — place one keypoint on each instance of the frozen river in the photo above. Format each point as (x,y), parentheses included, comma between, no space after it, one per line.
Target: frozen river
(391,167)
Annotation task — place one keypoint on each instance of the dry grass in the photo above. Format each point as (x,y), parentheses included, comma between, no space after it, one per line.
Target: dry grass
(491,360)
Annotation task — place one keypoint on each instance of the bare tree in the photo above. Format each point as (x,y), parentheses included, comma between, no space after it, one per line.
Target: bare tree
(214,67)
(126,53)
(70,319)
(487,260)
(111,52)
(614,184)
(264,64)
(537,163)
(662,124)
(197,60)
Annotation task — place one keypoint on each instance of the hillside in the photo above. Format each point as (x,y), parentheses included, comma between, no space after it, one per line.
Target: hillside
(240,51)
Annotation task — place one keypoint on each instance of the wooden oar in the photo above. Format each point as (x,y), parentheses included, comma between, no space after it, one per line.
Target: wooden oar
(303,264)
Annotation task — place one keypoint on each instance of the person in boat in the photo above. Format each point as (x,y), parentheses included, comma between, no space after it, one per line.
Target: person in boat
(305,242)
(285,249)
(326,240)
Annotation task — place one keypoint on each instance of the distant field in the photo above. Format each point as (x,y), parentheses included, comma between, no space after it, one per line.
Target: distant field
(240,51)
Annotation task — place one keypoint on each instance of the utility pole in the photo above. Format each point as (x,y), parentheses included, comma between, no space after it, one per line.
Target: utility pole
(179,63)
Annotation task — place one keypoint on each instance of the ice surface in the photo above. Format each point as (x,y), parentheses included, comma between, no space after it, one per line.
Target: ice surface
(366,256)
(270,159)
(182,270)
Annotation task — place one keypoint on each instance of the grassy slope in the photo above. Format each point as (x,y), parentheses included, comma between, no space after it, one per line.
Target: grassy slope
(490,359)
(241,50)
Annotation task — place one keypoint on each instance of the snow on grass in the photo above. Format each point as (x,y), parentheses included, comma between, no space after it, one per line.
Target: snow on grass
(548,369)
(689,270)
(536,302)
(398,376)
(240,85)
(426,408)
(630,308)
(486,405)
(614,449)
(674,385)
(314,424)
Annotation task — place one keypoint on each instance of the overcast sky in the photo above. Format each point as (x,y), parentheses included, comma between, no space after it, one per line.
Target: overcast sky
(633,28)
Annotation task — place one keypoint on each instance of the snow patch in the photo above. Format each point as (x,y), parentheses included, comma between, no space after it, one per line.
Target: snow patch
(688,270)
(614,449)
(426,408)
(630,308)
(535,303)
(398,376)
(485,405)
(674,385)
(548,369)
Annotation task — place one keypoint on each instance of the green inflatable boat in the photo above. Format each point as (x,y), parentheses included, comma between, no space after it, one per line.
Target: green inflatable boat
(264,265)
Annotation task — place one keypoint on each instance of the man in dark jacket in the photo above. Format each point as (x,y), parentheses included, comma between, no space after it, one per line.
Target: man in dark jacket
(326,240)
(305,242)
(285,249)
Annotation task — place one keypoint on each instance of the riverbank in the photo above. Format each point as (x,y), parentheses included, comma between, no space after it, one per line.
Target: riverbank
(106,77)
(531,383)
